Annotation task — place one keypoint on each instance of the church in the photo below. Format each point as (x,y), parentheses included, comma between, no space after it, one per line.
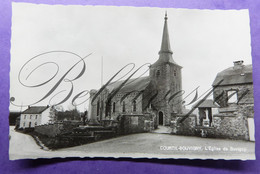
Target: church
(157,94)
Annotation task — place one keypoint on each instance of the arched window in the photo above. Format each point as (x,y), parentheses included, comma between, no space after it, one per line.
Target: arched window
(123,106)
(134,106)
(114,107)
(98,108)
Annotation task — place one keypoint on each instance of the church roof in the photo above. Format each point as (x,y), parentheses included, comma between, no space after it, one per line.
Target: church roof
(206,104)
(135,84)
(234,76)
(35,109)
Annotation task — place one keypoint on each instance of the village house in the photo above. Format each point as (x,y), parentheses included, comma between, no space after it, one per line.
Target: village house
(235,97)
(36,115)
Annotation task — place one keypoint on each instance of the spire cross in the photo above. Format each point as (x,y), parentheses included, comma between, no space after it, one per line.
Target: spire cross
(166,15)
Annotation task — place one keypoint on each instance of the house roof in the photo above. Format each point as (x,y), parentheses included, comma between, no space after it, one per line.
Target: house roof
(136,84)
(35,109)
(206,104)
(232,76)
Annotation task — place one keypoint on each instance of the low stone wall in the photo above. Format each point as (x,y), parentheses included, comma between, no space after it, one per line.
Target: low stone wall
(52,130)
(231,127)
(187,127)
(129,124)
(224,125)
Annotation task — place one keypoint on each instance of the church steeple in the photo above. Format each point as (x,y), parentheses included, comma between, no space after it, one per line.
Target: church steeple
(165,45)
(165,54)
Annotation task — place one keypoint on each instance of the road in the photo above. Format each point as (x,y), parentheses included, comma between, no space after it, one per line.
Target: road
(154,145)
(142,145)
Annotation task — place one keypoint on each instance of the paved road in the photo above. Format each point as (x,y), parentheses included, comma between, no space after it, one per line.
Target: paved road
(22,145)
(166,146)
(149,145)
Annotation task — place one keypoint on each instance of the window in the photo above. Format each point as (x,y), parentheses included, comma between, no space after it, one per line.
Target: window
(35,116)
(123,106)
(134,106)
(114,107)
(30,124)
(35,124)
(30,116)
(158,73)
(23,124)
(174,72)
(232,96)
(24,117)
(98,108)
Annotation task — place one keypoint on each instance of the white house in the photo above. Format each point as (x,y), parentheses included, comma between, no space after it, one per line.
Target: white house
(36,115)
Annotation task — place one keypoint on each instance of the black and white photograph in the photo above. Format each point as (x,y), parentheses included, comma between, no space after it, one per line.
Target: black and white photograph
(132,82)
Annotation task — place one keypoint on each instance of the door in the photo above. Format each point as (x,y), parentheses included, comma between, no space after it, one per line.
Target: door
(251,129)
(160,118)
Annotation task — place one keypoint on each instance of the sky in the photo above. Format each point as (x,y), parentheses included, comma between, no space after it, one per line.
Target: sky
(204,42)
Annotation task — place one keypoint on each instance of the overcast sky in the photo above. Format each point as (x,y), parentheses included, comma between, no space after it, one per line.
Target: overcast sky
(204,42)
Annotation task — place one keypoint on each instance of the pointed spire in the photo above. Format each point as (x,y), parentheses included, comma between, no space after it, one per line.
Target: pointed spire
(165,46)
(165,54)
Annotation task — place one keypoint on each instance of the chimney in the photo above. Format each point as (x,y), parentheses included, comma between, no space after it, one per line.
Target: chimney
(238,64)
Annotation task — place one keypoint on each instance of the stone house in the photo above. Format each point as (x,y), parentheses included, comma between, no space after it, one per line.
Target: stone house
(154,94)
(36,115)
(235,97)
(233,103)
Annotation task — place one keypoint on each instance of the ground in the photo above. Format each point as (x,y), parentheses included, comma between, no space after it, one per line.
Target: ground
(140,145)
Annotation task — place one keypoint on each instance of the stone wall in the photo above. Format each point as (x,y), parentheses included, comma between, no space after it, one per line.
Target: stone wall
(129,124)
(51,130)
(187,127)
(231,127)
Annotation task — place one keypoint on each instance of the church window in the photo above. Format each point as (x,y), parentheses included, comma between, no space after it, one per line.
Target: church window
(98,108)
(123,106)
(114,107)
(158,73)
(134,106)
